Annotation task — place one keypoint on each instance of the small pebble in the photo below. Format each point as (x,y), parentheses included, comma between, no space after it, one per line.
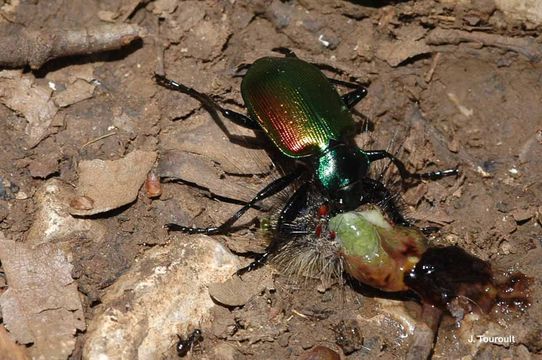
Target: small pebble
(506,248)
(21,195)
(521,215)
(8,190)
(43,167)
(284,339)
(320,353)
(152,185)
(82,203)
(503,207)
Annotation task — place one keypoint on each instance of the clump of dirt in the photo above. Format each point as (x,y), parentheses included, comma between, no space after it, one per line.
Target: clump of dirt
(450,83)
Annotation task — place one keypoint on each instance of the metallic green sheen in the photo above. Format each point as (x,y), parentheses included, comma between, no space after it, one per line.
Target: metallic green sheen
(340,166)
(295,104)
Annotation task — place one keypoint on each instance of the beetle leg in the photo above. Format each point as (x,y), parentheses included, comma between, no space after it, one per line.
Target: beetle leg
(353,97)
(375,155)
(260,260)
(270,190)
(208,102)
(292,209)
(284,51)
(429,230)
(242,70)
(290,212)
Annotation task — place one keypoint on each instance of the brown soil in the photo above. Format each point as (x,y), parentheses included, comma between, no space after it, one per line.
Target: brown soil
(471,105)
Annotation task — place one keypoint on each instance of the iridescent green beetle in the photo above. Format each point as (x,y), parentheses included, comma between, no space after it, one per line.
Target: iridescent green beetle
(304,116)
(301,112)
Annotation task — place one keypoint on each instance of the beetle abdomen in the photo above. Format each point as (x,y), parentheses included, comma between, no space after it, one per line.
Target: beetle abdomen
(295,105)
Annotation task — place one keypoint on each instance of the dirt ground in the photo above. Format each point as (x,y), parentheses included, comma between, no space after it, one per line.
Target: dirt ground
(450,83)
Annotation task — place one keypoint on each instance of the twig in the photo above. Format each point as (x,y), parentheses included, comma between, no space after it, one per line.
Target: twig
(36,48)
(429,74)
(526,46)
(98,139)
(300,314)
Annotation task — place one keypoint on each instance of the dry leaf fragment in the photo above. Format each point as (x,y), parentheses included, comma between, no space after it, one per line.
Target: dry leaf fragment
(42,304)
(9,350)
(19,93)
(112,184)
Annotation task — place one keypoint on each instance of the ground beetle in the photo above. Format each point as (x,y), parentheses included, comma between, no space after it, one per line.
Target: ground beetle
(301,112)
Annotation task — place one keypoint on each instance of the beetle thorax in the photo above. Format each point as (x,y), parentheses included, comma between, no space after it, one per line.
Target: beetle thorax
(339,167)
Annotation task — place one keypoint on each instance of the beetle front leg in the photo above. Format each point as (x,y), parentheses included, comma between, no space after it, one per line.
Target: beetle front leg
(258,262)
(405,174)
(288,214)
(270,190)
(284,51)
(208,102)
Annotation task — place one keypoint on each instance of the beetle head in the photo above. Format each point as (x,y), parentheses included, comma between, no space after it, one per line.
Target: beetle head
(339,169)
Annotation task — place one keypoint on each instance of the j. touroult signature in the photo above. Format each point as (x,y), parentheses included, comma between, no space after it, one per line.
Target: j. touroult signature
(493,339)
